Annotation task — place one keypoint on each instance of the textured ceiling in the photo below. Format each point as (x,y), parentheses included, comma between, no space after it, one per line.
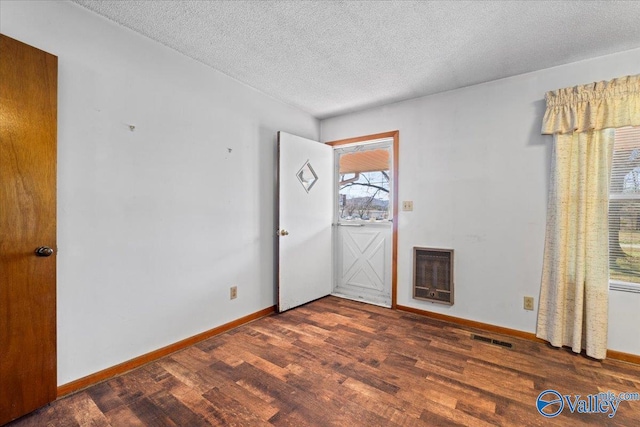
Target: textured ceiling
(330,58)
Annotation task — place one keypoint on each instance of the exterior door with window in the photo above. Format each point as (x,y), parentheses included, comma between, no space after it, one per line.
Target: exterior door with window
(364,228)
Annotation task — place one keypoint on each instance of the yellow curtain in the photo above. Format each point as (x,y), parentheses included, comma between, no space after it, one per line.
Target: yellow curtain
(573,309)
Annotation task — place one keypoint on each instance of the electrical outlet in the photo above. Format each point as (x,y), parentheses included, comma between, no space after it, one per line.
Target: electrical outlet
(528,303)
(407,205)
(233,294)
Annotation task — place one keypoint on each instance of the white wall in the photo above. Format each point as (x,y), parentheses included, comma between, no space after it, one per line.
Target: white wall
(475,165)
(154,225)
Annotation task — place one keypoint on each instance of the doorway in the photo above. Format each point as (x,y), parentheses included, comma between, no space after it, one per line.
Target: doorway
(363,221)
(307,221)
(365,218)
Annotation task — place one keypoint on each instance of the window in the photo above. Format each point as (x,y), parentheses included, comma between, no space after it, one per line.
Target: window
(364,183)
(624,211)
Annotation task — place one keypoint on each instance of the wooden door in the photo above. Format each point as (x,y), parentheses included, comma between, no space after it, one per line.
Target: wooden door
(28,132)
(305,211)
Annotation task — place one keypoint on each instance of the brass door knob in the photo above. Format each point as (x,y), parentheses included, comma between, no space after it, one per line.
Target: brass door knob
(284,233)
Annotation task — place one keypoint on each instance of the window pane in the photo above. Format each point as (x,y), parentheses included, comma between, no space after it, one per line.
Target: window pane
(364,185)
(366,197)
(624,240)
(624,207)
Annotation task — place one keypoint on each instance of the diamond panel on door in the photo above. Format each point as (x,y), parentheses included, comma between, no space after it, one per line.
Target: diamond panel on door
(307,176)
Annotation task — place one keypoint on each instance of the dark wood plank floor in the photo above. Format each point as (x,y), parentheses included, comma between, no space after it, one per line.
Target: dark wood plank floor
(336,362)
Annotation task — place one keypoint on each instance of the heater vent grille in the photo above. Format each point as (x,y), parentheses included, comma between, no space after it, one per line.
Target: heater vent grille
(433,275)
(491,341)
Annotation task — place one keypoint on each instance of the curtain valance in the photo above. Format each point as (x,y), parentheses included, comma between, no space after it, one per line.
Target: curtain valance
(593,106)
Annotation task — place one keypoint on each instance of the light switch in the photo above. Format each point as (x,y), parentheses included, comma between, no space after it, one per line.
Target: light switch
(407,205)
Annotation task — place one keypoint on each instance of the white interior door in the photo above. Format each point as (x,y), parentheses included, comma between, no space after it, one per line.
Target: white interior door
(305,212)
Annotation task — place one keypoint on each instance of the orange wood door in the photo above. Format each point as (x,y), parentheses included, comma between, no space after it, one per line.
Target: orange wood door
(28,133)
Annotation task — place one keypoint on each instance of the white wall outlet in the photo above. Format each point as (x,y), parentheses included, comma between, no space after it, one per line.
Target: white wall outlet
(407,205)
(233,294)
(528,303)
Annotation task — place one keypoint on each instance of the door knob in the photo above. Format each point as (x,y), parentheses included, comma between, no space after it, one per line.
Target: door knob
(284,233)
(44,251)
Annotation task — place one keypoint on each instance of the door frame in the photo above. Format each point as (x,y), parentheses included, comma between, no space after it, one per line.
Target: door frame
(395,135)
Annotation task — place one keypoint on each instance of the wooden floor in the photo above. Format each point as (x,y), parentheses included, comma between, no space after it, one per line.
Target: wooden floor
(336,362)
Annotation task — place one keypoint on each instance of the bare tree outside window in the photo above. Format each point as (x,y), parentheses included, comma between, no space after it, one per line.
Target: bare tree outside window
(364,196)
